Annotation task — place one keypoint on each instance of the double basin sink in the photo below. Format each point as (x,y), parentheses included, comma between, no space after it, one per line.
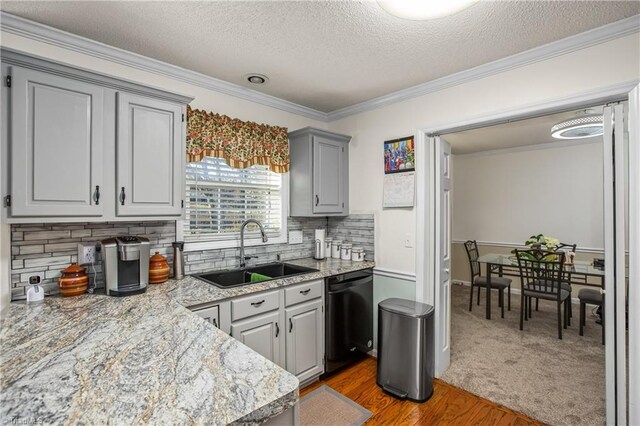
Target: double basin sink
(239,277)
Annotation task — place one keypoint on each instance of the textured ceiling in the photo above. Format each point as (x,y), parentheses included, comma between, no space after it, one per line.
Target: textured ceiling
(532,131)
(324,55)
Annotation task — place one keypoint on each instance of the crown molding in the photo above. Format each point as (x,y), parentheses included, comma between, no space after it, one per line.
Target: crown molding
(26,28)
(53,36)
(532,147)
(566,45)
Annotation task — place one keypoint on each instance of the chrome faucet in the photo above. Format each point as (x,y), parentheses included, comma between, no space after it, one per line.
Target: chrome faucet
(243,258)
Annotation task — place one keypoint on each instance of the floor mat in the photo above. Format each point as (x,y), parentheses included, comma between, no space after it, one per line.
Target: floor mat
(324,406)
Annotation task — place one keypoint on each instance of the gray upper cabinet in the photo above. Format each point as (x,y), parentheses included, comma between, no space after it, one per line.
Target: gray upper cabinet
(56,155)
(150,157)
(319,173)
(82,146)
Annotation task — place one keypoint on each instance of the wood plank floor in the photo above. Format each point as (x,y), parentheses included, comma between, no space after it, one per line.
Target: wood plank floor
(448,405)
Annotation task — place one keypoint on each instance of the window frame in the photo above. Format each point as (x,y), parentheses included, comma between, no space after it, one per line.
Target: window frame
(251,238)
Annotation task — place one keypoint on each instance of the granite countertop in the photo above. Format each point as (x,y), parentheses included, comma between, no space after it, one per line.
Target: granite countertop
(191,291)
(141,359)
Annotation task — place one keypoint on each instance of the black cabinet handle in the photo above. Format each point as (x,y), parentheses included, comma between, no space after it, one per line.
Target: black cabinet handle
(305,292)
(215,322)
(290,325)
(317,200)
(122,196)
(256,304)
(96,195)
(277,330)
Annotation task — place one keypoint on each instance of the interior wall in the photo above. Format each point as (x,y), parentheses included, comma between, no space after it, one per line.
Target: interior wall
(507,197)
(562,76)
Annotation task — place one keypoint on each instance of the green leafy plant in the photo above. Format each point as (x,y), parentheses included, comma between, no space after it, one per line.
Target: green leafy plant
(541,243)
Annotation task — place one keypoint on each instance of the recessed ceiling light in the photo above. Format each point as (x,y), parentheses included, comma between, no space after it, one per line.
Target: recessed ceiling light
(424,9)
(256,78)
(585,125)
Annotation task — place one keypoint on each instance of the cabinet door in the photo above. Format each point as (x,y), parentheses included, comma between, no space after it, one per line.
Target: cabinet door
(56,145)
(150,157)
(305,342)
(262,334)
(328,176)
(210,315)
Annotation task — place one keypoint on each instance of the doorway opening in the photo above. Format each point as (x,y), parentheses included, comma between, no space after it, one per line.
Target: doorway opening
(512,182)
(433,277)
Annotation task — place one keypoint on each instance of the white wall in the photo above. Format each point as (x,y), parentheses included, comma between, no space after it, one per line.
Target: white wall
(559,77)
(507,197)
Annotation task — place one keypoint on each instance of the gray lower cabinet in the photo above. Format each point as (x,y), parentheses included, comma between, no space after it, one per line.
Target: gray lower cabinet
(319,173)
(56,154)
(217,315)
(285,326)
(262,333)
(150,157)
(305,340)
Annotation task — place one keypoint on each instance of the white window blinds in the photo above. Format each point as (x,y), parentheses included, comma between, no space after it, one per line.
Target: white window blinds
(220,198)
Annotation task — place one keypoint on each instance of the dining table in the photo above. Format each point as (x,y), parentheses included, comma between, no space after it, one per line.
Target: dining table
(577,272)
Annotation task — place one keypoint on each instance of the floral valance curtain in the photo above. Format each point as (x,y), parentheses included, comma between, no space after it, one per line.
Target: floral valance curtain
(240,143)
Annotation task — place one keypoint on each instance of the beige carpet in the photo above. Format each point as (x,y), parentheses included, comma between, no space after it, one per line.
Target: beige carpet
(560,382)
(324,406)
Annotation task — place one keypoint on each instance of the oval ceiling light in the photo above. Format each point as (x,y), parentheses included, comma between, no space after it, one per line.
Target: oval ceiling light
(585,125)
(418,10)
(256,78)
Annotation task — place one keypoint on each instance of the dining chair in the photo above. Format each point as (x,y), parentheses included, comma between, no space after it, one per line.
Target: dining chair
(541,274)
(480,281)
(566,282)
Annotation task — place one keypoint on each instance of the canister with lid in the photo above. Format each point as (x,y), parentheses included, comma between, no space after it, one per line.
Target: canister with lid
(335,248)
(345,251)
(357,254)
(327,246)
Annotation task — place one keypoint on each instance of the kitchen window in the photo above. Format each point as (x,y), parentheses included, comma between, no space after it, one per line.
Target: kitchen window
(219,198)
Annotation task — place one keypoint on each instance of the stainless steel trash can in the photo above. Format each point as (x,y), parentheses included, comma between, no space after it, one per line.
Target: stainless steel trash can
(405,349)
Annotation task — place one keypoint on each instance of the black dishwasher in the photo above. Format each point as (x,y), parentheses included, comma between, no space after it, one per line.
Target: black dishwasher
(348,318)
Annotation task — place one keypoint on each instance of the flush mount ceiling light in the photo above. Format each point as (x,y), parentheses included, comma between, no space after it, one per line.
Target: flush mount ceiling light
(584,125)
(418,10)
(256,78)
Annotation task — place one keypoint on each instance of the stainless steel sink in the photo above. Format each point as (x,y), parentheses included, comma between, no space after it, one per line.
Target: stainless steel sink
(238,277)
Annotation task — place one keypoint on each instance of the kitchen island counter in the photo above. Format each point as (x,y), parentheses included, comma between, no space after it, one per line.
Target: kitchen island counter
(96,359)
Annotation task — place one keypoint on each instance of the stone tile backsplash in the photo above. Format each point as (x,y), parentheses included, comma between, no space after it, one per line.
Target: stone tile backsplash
(46,249)
(358,229)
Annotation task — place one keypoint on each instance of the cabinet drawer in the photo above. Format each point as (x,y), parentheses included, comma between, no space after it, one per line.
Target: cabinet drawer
(249,306)
(302,292)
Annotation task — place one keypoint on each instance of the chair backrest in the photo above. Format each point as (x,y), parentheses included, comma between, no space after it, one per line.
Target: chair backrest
(540,271)
(472,254)
(566,247)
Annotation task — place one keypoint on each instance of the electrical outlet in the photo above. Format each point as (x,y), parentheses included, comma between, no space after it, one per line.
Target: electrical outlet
(86,253)
(295,237)
(408,240)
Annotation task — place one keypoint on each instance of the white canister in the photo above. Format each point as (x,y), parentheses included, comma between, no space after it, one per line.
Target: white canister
(357,254)
(335,249)
(327,246)
(345,251)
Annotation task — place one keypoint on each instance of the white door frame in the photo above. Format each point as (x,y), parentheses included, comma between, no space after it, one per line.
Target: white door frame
(425,199)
